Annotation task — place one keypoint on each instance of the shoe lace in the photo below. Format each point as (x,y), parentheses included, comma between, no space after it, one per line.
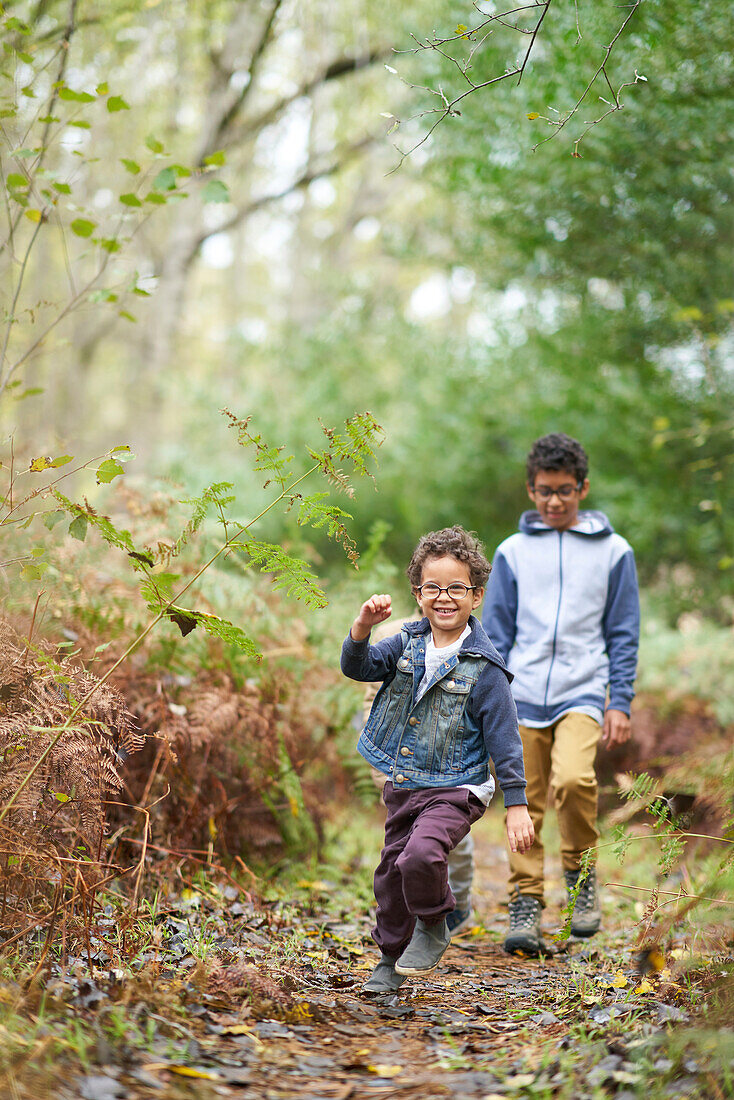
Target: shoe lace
(523,910)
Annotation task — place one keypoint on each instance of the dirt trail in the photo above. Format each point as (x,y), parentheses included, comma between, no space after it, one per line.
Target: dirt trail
(274,1009)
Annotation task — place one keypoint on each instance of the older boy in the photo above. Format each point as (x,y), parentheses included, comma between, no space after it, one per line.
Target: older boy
(562,608)
(444,709)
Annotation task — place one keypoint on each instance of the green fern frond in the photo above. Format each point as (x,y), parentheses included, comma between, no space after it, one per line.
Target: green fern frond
(314,513)
(267,459)
(114,536)
(291,574)
(216,495)
(356,444)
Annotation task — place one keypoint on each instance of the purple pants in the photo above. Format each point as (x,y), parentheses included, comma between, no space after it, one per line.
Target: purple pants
(411,879)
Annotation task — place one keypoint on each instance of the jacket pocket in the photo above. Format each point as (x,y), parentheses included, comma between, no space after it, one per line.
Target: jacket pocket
(451,698)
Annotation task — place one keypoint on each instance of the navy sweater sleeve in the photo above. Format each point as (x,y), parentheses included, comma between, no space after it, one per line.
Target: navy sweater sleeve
(499,611)
(365,662)
(493,709)
(621,629)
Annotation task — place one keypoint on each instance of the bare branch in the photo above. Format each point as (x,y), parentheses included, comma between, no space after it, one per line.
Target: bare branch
(449,105)
(602,68)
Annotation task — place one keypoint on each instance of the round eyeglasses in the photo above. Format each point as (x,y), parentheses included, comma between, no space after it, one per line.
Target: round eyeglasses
(564,492)
(456,591)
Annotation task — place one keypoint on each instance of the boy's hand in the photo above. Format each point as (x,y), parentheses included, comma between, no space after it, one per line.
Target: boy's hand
(616,728)
(520,831)
(373,611)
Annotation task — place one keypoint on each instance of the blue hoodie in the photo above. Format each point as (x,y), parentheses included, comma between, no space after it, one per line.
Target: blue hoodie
(562,608)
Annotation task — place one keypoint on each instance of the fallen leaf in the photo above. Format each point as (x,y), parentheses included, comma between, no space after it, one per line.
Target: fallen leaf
(385,1071)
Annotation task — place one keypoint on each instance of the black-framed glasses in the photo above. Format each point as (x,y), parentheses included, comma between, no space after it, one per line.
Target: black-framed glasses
(431,590)
(564,491)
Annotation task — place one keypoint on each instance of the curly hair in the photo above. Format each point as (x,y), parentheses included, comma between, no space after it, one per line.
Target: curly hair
(557,451)
(452,542)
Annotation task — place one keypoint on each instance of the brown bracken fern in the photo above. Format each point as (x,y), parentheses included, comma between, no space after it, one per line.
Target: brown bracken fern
(52,836)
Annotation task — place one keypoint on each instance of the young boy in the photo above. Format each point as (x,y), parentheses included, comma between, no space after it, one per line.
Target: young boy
(461,858)
(563,609)
(444,709)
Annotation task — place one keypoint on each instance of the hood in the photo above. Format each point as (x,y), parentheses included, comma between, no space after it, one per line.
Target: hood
(592,524)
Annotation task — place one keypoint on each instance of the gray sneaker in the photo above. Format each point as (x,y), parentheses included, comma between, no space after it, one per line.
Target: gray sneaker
(586,916)
(524,934)
(383,978)
(424,952)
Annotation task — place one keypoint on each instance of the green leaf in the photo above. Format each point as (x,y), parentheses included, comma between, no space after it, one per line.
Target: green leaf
(51,519)
(110,244)
(165,180)
(75,97)
(30,392)
(128,316)
(62,188)
(78,528)
(216,159)
(117,103)
(216,191)
(81,124)
(128,199)
(154,144)
(60,797)
(15,180)
(131,166)
(108,470)
(34,570)
(102,89)
(63,460)
(82,227)
(156,197)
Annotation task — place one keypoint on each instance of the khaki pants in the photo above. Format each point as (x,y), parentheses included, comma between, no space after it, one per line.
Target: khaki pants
(562,756)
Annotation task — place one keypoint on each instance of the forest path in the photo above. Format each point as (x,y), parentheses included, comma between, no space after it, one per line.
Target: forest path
(272,1006)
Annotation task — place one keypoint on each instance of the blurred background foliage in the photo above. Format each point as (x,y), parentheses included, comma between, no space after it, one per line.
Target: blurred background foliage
(281,259)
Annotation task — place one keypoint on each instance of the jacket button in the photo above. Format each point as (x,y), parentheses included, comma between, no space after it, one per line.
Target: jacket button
(404,751)
(399,778)
(450,683)
(413,721)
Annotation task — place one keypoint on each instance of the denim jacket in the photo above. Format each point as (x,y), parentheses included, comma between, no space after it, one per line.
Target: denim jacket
(446,738)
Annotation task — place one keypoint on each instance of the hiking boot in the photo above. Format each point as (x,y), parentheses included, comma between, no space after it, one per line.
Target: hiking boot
(524,934)
(383,978)
(424,952)
(458,921)
(586,916)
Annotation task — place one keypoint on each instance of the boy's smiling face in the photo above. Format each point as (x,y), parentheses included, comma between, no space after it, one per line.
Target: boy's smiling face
(448,615)
(557,496)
